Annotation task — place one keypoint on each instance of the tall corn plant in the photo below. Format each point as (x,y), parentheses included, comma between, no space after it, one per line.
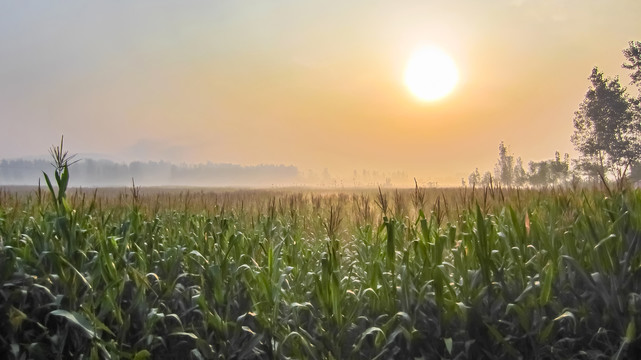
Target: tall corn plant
(64,220)
(69,254)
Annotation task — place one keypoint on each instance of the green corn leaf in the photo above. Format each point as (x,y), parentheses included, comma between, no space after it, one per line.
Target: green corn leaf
(631,331)
(77,320)
(389,225)
(448,345)
(142,355)
(16,317)
(545,333)
(64,180)
(51,191)
(546,288)
(56,174)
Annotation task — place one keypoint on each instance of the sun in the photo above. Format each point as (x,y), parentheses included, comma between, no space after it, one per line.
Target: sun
(431,74)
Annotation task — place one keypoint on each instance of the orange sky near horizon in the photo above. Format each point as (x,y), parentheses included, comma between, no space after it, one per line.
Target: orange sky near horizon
(313,84)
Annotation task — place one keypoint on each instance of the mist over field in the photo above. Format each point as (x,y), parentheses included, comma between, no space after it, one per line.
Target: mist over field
(101,173)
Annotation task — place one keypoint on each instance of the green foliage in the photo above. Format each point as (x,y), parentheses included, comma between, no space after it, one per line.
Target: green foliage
(606,132)
(549,172)
(633,56)
(608,123)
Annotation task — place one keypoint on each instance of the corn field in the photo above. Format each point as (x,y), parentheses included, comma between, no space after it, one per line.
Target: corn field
(302,274)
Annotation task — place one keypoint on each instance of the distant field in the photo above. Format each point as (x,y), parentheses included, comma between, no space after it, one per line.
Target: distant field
(402,201)
(318,274)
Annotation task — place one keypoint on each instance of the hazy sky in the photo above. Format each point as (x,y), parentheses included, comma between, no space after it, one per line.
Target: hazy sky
(316,84)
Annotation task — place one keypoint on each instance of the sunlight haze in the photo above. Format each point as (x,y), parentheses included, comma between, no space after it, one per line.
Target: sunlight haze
(431,74)
(314,84)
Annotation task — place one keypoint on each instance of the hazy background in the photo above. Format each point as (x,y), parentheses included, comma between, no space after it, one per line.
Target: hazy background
(311,84)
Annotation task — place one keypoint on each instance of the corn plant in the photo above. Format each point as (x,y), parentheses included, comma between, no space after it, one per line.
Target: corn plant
(311,274)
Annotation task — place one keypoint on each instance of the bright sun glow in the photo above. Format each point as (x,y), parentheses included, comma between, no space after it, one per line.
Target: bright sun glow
(431,74)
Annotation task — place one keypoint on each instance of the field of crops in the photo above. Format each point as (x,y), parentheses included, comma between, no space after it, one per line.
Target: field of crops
(311,274)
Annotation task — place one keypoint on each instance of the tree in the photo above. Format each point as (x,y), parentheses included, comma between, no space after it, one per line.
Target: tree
(487,179)
(520,177)
(504,168)
(475,178)
(633,55)
(549,172)
(539,173)
(606,132)
(559,169)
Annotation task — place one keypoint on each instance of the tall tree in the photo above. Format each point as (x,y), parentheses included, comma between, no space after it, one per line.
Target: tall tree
(504,168)
(633,63)
(487,179)
(520,177)
(606,131)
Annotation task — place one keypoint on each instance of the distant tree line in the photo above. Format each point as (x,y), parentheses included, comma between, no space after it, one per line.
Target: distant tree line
(510,172)
(92,172)
(89,172)
(359,178)
(607,134)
